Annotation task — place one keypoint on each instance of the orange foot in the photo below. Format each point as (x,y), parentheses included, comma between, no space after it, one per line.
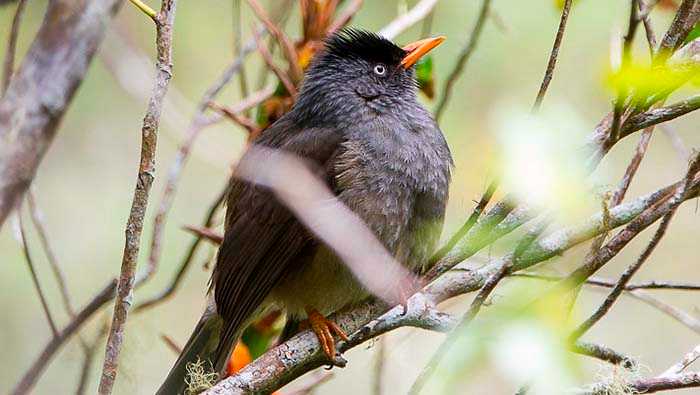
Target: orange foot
(324,330)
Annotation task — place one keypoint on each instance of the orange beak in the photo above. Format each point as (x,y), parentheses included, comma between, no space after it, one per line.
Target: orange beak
(417,49)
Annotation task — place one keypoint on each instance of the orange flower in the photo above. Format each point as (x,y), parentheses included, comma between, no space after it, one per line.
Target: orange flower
(240,357)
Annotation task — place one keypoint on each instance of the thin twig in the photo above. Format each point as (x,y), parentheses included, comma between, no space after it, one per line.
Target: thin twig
(647,385)
(89,357)
(603,353)
(474,309)
(146,173)
(205,233)
(172,344)
(31,116)
(238,48)
(619,108)
(683,364)
(608,283)
(676,142)
(248,124)
(347,15)
(459,235)
(679,315)
(267,57)
(419,11)
(284,41)
(32,374)
(37,219)
(604,308)
(552,63)
(198,123)
(189,257)
(10,51)
(464,56)
(35,278)
(146,9)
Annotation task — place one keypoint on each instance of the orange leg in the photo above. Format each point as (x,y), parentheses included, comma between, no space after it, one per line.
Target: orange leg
(324,330)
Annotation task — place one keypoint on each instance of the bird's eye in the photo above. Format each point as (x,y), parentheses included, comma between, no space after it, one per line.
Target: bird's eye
(379,69)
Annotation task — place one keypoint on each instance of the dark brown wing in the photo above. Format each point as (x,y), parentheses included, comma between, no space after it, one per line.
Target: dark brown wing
(263,239)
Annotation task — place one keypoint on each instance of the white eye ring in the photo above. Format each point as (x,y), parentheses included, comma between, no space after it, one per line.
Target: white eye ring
(379,69)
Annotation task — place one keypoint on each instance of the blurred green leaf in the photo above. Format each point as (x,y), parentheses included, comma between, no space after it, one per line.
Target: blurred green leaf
(695,33)
(643,81)
(425,76)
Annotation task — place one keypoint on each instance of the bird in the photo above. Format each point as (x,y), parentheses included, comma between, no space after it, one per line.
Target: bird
(358,121)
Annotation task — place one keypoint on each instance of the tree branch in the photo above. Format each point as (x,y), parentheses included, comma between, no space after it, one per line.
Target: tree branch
(552,63)
(464,56)
(9,63)
(146,173)
(42,89)
(419,11)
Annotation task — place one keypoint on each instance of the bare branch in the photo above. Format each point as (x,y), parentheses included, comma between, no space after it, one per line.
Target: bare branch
(673,312)
(149,133)
(464,56)
(605,307)
(648,385)
(40,227)
(35,278)
(419,11)
(189,257)
(146,9)
(474,309)
(199,122)
(603,353)
(42,89)
(9,63)
(347,15)
(607,283)
(248,124)
(686,17)
(267,57)
(683,364)
(552,63)
(205,233)
(471,221)
(285,43)
(659,115)
(27,382)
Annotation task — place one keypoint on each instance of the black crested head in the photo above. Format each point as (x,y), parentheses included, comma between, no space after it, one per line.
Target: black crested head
(362,44)
(359,75)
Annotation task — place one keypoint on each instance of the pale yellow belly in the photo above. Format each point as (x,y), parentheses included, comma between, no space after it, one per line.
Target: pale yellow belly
(324,284)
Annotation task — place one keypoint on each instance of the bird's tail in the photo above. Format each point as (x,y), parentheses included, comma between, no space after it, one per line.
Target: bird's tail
(201,357)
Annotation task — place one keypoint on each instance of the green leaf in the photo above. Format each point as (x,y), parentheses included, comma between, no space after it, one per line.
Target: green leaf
(695,33)
(425,75)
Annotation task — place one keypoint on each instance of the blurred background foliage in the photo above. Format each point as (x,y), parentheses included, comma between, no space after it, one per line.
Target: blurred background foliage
(84,187)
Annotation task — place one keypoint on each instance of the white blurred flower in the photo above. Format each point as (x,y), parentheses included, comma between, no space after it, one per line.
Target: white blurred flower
(542,159)
(528,352)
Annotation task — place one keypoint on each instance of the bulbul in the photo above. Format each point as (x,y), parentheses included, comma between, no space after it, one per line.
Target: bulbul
(357,118)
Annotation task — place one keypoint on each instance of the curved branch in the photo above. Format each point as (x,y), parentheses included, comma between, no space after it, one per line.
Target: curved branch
(42,89)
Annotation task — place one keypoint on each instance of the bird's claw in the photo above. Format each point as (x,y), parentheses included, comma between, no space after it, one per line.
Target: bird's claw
(324,330)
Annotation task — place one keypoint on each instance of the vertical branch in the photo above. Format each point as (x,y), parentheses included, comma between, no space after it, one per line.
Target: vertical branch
(238,48)
(164,38)
(9,63)
(552,63)
(463,58)
(35,278)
